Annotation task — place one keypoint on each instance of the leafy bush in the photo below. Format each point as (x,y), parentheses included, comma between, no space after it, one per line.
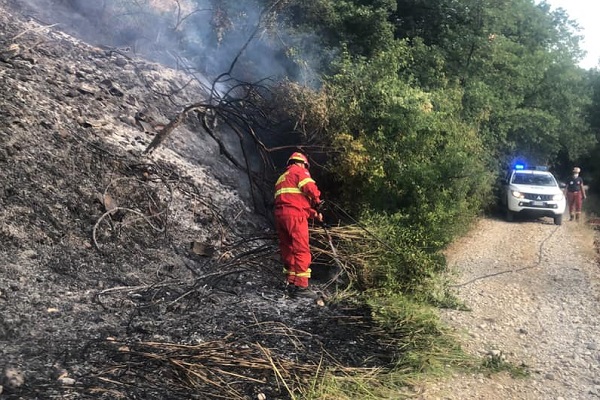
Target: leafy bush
(405,163)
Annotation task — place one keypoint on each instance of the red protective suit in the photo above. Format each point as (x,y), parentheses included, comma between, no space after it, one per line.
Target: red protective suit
(295,195)
(575,201)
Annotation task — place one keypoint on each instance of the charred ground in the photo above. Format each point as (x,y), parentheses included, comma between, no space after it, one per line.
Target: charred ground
(102,294)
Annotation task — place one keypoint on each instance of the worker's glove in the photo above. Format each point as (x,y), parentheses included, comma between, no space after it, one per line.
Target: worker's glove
(320,206)
(319,217)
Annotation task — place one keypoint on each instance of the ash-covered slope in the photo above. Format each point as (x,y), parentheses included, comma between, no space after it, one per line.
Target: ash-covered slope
(126,276)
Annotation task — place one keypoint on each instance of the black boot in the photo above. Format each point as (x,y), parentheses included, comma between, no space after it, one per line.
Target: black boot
(291,290)
(304,293)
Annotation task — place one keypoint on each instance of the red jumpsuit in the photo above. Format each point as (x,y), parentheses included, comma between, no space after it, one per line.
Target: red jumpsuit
(295,194)
(575,195)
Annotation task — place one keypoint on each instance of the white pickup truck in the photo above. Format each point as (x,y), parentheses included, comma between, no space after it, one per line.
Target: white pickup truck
(534,192)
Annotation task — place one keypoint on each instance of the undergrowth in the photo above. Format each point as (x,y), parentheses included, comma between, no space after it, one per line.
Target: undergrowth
(426,349)
(414,332)
(404,286)
(496,362)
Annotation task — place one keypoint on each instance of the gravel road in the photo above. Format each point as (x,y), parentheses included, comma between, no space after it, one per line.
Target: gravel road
(534,291)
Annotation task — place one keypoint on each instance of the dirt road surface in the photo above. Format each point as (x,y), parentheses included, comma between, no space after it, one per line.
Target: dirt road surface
(534,291)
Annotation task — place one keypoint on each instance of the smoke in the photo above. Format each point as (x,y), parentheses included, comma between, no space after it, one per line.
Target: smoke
(212,36)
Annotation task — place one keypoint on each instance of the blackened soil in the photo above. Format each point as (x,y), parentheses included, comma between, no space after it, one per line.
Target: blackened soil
(101,295)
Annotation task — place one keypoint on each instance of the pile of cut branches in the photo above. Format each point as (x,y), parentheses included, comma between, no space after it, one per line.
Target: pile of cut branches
(218,369)
(349,251)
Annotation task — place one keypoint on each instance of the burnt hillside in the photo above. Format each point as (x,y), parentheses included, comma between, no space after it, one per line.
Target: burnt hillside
(132,276)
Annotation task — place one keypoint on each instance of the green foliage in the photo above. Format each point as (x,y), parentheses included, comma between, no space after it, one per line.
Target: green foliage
(410,265)
(591,163)
(393,253)
(516,63)
(400,143)
(415,333)
(406,162)
(362,26)
(496,362)
(426,345)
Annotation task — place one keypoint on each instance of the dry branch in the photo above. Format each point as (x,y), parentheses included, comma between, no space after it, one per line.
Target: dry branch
(174,123)
(34,30)
(106,214)
(221,367)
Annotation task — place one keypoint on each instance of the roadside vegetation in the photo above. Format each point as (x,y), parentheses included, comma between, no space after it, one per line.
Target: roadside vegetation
(410,110)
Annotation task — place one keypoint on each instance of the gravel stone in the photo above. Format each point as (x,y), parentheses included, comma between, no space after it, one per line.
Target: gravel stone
(542,279)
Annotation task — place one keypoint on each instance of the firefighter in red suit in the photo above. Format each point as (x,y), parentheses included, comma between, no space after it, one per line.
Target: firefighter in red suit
(297,199)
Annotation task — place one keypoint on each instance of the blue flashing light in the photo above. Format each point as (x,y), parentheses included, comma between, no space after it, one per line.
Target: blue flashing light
(519,166)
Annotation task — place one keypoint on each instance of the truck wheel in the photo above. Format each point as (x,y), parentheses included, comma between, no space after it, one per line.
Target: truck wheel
(558,219)
(510,216)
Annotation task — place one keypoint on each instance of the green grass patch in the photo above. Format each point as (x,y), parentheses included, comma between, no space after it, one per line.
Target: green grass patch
(495,362)
(423,345)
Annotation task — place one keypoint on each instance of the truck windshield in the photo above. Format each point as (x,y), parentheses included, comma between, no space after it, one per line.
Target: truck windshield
(520,178)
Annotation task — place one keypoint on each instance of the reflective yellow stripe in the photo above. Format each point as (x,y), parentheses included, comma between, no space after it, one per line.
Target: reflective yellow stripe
(288,190)
(304,274)
(300,274)
(281,178)
(305,181)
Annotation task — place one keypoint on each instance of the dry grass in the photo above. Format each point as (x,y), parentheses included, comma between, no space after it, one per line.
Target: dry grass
(224,368)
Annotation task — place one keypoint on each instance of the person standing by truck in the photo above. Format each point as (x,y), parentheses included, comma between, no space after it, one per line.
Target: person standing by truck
(575,193)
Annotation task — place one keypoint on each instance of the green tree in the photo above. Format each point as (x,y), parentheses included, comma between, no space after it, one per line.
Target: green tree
(516,63)
(361,26)
(405,155)
(591,163)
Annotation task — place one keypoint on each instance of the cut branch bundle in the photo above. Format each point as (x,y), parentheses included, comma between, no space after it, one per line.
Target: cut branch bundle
(348,250)
(215,369)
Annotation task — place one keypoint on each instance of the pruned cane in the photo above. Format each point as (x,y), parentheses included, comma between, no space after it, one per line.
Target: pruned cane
(335,256)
